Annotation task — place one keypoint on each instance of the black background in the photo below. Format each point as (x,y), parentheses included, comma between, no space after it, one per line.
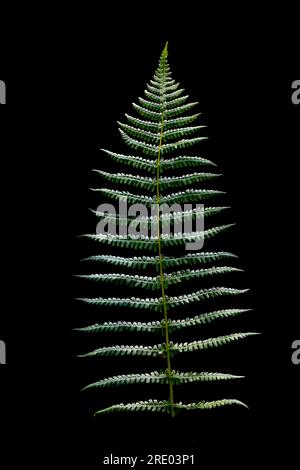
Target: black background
(63,104)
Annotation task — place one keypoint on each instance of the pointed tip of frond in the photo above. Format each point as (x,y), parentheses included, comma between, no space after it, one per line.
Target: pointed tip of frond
(240,403)
(165,50)
(83,389)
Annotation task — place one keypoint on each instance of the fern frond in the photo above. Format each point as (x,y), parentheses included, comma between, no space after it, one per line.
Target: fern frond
(172,100)
(169,86)
(151,377)
(147,149)
(189,275)
(153,116)
(181,132)
(138,131)
(124,350)
(146,282)
(142,124)
(203,294)
(170,95)
(197,258)
(179,378)
(179,181)
(163,78)
(133,242)
(171,113)
(127,179)
(155,304)
(165,219)
(176,102)
(159,326)
(204,405)
(151,149)
(184,162)
(150,105)
(154,282)
(141,134)
(189,195)
(135,162)
(182,239)
(208,343)
(163,126)
(166,406)
(147,165)
(181,144)
(143,262)
(151,94)
(150,327)
(150,183)
(173,348)
(170,104)
(180,121)
(161,377)
(205,318)
(139,242)
(149,405)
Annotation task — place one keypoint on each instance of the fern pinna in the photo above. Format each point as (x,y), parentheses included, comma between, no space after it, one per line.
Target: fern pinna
(163,128)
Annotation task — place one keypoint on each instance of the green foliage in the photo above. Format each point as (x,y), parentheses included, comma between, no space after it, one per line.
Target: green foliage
(163,127)
(150,183)
(162,377)
(154,282)
(144,262)
(161,349)
(167,406)
(159,326)
(165,219)
(151,165)
(142,242)
(190,195)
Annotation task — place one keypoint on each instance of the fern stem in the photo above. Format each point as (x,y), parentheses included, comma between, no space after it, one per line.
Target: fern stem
(161,271)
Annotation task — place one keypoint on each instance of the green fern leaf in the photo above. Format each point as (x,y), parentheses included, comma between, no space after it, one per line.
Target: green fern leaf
(154,282)
(149,183)
(161,377)
(207,343)
(144,262)
(183,162)
(162,124)
(162,349)
(159,326)
(184,197)
(141,242)
(165,165)
(165,219)
(167,407)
